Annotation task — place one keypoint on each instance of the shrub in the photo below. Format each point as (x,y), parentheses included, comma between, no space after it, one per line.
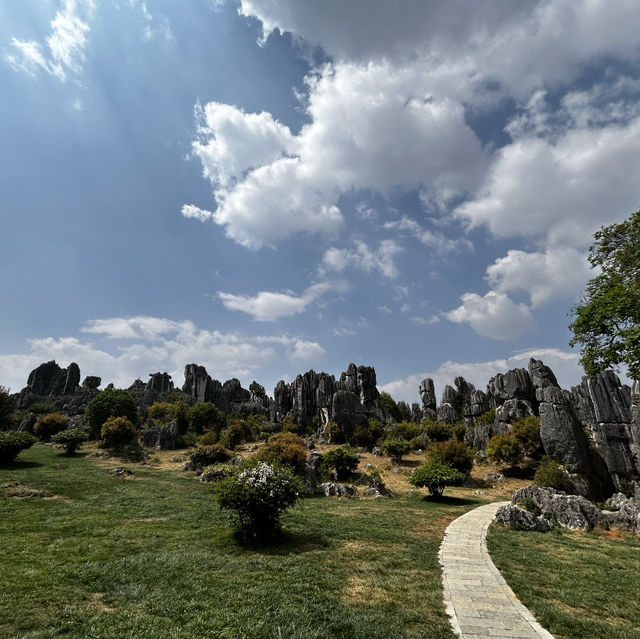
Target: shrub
(238,431)
(41,408)
(48,425)
(368,436)
(216,472)
(454,453)
(284,449)
(389,406)
(108,403)
(257,496)
(208,455)
(396,448)
(6,408)
(529,504)
(551,475)
(164,412)
(334,433)
(527,432)
(437,431)
(12,442)
(290,424)
(343,459)
(405,430)
(459,431)
(436,475)
(207,438)
(487,418)
(206,416)
(70,439)
(504,448)
(118,432)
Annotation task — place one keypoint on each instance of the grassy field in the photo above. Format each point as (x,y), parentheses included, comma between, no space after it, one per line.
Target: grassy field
(578,585)
(149,555)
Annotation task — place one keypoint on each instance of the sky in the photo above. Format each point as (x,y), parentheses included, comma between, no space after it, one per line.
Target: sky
(265,187)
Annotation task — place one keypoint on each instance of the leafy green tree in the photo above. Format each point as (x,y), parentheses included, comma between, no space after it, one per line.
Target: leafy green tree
(436,475)
(6,408)
(12,442)
(206,416)
(70,439)
(607,320)
(111,402)
(344,459)
(505,448)
(396,448)
(389,406)
(454,453)
(527,431)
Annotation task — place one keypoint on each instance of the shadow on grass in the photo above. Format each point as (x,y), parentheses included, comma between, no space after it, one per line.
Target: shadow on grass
(285,542)
(452,501)
(19,464)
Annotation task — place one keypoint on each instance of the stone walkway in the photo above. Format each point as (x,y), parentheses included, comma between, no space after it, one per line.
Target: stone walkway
(478,600)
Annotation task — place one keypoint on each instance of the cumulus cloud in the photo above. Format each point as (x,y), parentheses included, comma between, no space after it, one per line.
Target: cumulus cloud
(543,276)
(431,239)
(64,51)
(363,258)
(141,345)
(194,212)
(493,315)
(267,306)
(564,364)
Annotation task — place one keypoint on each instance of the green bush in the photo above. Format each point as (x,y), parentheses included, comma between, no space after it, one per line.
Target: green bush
(504,449)
(216,473)
(70,439)
(240,430)
(208,438)
(405,430)
(527,432)
(368,435)
(207,455)
(284,449)
(164,412)
(529,504)
(389,406)
(436,475)
(396,448)
(459,431)
(117,432)
(110,402)
(454,453)
(487,418)
(205,416)
(48,425)
(257,496)
(41,408)
(334,433)
(12,442)
(551,475)
(437,431)
(290,424)
(343,459)
(6,408)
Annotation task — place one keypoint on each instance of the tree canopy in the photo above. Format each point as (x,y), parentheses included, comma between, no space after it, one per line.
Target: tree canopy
(607,319)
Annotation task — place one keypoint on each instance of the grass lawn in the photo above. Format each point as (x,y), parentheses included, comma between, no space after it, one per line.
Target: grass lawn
(578,585)
(151,556)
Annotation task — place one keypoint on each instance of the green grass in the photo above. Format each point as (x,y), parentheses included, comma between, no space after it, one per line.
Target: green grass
(152,557)
(582,585)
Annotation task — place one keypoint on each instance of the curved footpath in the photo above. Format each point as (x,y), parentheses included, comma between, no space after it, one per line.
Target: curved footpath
(478,600)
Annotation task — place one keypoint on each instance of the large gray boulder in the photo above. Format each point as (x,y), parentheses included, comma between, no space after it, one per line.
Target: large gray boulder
(570,511)
(313,472)
(514,384)
(520,519)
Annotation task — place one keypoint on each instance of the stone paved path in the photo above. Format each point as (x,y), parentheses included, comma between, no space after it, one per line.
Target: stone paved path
(478,600)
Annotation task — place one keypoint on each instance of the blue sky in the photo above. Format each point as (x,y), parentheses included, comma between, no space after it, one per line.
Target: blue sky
(268,187)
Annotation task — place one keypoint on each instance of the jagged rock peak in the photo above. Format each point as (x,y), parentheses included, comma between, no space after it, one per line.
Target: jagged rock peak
(160,382)
(50,379)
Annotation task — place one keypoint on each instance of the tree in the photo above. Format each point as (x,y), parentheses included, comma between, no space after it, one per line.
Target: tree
(505,448)
(110,403)
(607,320)
(435,475)
(389,406)
(6,408)
(206,416)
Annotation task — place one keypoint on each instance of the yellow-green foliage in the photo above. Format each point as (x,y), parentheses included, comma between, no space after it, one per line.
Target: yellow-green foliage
(48,425)
(117,432)
(284,449)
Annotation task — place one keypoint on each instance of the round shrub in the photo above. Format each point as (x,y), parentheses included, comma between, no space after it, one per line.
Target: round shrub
(343,459)
(527,432)
(117,432)
(111,402)
(396,448)
(405,430)
(12,442)
(504,449)
(435,475)
(48,425)
(437,431)
(207,455)
(206,416)
(208,438)
(237,432)
(70,439)
(454,453)
(551,475)
(216,472)
(284,449)
(256,497)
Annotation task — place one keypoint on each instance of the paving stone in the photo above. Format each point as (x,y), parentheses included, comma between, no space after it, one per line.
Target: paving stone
(479,601)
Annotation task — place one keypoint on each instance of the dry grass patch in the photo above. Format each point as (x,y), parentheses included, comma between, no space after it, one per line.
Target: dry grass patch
(20,491)
(359,590)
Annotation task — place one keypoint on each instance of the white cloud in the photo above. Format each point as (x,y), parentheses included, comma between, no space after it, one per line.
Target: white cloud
(139,346)
(493,315)
(564,364)
(431,239)
(196,213)
(267,306)
(65,44)
(425,321)
(362,257)
(564,191)
(543,276)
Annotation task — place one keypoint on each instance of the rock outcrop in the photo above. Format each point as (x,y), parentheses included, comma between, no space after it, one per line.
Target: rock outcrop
(518,518)
(49,381)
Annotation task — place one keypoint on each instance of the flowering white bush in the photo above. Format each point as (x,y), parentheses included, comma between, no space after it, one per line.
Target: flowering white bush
(257,496)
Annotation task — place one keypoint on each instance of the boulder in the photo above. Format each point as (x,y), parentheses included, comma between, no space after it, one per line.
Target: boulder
(334,489)
(520,519)
(91,381)
(570,511)
(626,513)
(514,384)
(313,472)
